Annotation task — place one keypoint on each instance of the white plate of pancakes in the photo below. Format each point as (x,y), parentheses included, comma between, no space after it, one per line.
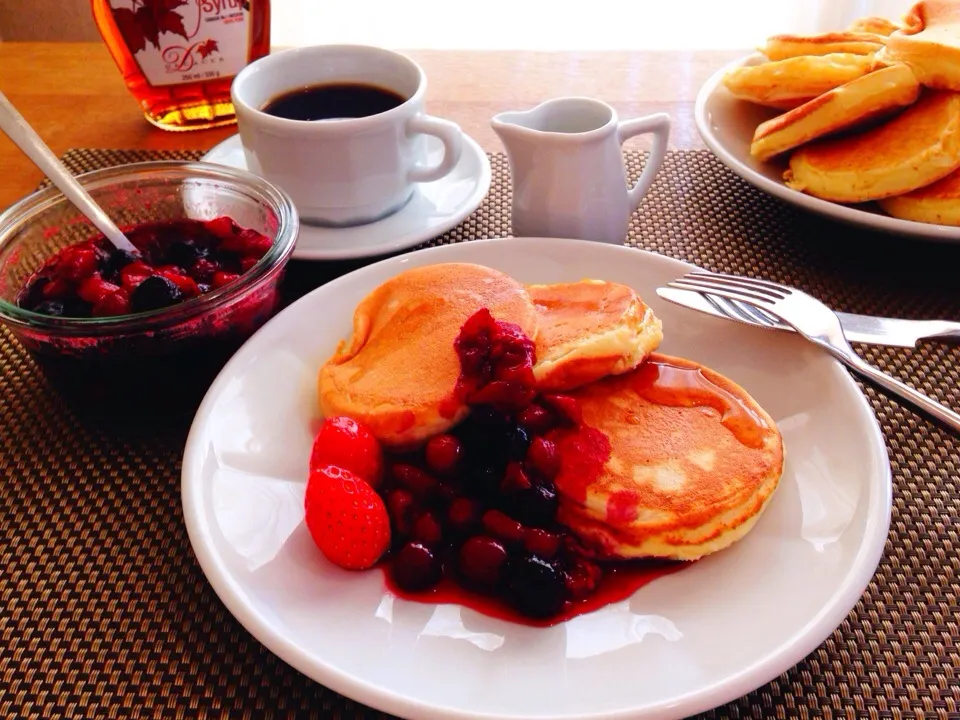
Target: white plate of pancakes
(860,125)
(689,641)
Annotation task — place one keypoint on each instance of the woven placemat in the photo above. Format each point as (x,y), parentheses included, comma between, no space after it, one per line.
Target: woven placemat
(104,611)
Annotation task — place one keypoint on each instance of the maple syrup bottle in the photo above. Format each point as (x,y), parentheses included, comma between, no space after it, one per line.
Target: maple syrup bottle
(178,57)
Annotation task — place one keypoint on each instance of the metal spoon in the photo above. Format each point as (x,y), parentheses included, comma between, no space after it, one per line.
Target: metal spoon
(26,138)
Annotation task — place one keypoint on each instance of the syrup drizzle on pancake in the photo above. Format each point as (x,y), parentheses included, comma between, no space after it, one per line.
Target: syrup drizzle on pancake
(663,383)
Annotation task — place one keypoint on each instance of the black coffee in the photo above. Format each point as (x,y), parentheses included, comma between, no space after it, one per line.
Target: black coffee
(334,100)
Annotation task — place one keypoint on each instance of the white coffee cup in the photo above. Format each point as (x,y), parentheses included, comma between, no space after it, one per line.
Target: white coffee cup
(346,171)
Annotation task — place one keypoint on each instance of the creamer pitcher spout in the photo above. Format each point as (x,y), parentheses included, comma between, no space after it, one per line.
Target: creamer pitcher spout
(510,125)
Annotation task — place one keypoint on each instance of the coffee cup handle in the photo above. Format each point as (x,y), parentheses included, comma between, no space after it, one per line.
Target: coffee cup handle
(449,134)
(659,126)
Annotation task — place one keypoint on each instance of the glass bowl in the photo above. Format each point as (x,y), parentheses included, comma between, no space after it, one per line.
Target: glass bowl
(153,363)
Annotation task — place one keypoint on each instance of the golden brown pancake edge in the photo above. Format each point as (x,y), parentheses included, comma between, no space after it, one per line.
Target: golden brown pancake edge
(693,486)
(398,371)
(859,101)
(917,147)
(590,329)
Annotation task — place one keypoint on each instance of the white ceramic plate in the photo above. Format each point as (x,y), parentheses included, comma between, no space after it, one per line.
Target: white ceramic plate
(434,208)
(726,125)
(683,644)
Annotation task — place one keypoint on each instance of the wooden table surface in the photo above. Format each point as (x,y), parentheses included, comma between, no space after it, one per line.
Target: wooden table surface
(74,96)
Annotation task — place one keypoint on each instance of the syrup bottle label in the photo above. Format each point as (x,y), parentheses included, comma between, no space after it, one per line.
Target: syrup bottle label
(183,41)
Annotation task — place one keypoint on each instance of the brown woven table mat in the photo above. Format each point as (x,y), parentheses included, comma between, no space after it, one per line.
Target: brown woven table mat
(104,611)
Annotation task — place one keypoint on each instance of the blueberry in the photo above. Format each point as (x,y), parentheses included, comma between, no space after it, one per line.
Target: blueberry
(483,478)
(34,295)
(516,442)
(185,253)
(534,587)
(75,307)
(55,308)
(535,507)
(154,293)
(70,307)
(482,424)
(117,261)
(486,417)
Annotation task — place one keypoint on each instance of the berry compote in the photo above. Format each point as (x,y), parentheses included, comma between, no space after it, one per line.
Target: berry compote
(474,511)
(156,365)
(176,261)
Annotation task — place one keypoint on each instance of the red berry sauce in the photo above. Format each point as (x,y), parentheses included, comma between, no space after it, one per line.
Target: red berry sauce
(473,513)
(176,261)
(147,372)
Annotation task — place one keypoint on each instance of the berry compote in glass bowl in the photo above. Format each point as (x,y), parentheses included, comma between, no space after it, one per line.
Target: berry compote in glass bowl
(126,337)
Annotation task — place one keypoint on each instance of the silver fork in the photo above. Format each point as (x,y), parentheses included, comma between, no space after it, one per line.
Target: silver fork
(812,319)
(745,311)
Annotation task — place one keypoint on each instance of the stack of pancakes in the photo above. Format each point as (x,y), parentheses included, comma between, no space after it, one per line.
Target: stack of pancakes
(692,462)
(872,113)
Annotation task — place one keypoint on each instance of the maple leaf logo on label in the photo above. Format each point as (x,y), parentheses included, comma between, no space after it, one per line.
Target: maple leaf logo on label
(175,42)
(143,22)
(207,47)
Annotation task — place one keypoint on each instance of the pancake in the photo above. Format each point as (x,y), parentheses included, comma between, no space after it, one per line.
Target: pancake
(929,42)
(588,330)
(916,148)
(693,461)
(875,25)
(863,99)
(938,203)
(780,47)
(785,84)
(398,372)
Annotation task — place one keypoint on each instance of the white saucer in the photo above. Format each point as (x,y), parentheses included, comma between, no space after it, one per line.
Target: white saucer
(681,645)
(726,125)
(435,207)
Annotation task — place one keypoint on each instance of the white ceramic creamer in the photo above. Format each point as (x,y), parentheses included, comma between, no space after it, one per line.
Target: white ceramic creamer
(566,163)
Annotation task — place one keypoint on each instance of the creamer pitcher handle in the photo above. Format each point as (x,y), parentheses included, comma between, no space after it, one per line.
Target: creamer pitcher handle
(659,126)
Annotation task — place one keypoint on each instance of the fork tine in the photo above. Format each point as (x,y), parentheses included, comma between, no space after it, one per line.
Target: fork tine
(747,312)
(730,308)
(724,306)
(758,313)
(755,282)
(737,283)
(685,283)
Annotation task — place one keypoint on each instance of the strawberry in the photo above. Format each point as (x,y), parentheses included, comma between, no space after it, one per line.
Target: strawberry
(94,288)
(246,242)
(186,284)
(134,274)
(223,227)
(203,269)
(565,406)
(346,443)
(117,303)
(221,278)
(57,289)
(346,518)
(76,263)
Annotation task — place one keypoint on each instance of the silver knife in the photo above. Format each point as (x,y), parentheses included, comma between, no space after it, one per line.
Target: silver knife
(858,328)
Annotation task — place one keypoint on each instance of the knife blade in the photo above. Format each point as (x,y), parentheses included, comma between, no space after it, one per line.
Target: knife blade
(892,332)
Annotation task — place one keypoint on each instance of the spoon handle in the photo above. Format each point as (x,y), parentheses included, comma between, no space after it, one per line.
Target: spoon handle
(24,136)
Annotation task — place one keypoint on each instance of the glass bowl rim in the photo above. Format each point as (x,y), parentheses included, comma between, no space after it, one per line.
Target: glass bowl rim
(43,200)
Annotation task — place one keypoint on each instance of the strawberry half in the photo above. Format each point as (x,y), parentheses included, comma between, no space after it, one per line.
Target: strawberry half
(344,442)
(346,518)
